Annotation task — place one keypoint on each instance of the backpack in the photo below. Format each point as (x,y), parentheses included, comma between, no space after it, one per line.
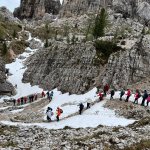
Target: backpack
(61,111)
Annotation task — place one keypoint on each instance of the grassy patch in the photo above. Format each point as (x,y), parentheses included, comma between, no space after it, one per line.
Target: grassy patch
(143,145)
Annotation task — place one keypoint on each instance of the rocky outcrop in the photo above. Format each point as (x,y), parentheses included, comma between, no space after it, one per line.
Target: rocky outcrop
(78,7)
(130,66)
(36,8)
(5,87)
(70,68)
(7,15)
(134,136)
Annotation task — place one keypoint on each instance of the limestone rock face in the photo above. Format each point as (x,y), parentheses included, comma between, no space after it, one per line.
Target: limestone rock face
(78,7)
(130,66)
(5,87)
(70,68)
(36,8)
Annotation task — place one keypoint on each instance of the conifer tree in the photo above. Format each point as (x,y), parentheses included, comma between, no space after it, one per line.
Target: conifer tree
(100,24)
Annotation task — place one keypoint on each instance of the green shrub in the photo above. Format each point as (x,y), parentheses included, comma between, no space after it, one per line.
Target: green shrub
(104,49)
(4,49)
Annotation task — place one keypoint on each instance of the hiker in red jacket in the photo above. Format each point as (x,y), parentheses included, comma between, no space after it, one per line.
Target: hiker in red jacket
(25,100)
(100,94)
(148,99)
(18,101)
(137,96)
(106,88)
(43,94)
(58,113)
(128,95)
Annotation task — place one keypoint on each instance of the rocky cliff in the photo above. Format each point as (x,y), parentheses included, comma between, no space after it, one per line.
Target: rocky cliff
(5,87)
(130,66)
(78,7)
(70,68)
(36,8)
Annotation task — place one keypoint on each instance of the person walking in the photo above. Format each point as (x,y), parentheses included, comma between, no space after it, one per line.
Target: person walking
(121,94)
(88,103)
(48,95)
(43,94)
(49,113)
(137,96)
(148,99)
(145,95)
(112,93)
(25,100)
(21,100)
(58,113)
(81,107)
(106,88)
(51,95)
(128,95)
(14,102)
(18,101)
(100,95)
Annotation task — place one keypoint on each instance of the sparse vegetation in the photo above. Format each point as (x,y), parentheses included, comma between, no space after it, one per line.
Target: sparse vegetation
(101,23)
(104,49)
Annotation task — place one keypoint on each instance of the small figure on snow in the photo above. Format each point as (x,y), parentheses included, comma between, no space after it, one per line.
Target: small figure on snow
(43,94)
(88,103)
(128,95)
(121,94)
(148,99)
(59,111)
(145,96)
(137,96)
(100,94)
(49,113)
(81,107)
(112,93)
(106,89)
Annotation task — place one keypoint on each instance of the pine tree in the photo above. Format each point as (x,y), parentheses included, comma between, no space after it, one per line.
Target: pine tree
(4,49)
(100,24)
(14,34)
(46,43)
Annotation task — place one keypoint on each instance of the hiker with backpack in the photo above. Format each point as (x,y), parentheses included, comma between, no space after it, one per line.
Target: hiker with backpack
(121,94)
(112,93)
(88,103)
(128,95)
(100,95)
(48,94)
(106,89)
(49,113)
(43,94)
(145,96)
(51,95)
(137,96)
(81,107)
(148,99)
(59,111)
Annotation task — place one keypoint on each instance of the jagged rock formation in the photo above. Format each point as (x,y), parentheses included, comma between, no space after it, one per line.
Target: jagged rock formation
(78,7)
(70,68)
(36,8)
(5,87)
(7,15)
(130,66)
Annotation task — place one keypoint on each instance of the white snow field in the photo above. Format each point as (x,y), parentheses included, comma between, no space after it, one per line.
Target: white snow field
(17,69)
(96,115)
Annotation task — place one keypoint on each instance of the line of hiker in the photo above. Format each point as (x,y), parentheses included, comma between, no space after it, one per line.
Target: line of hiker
(25,100)
(145,96)
(32,97)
